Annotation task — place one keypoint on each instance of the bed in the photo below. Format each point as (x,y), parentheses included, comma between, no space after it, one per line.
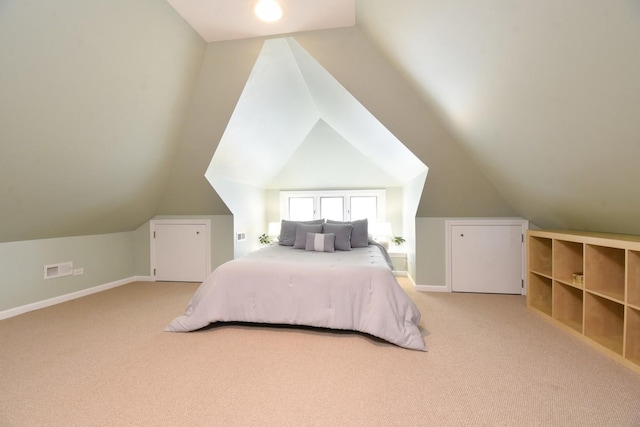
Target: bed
(307,283)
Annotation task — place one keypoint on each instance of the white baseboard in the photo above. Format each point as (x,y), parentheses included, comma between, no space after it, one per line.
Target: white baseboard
(431,288)
(68,297)
(424,288)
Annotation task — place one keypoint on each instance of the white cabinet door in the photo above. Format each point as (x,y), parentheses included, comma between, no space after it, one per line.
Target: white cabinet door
(181,251)
(487,258)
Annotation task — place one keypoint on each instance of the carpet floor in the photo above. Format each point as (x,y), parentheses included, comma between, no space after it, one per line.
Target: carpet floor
(104,360)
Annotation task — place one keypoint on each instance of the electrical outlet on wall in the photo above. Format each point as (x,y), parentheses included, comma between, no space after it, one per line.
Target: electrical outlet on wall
(78,271)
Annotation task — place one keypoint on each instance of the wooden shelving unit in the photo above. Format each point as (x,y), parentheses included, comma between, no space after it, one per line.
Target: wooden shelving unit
(588,284)
(633,279)
(568,303)
(539,295)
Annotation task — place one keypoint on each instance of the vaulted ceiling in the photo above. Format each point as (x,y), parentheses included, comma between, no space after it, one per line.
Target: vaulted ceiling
(295,126)
(110,111)
(544,95)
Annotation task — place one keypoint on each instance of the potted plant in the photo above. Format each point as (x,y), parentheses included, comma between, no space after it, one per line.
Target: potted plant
(264,239)
(398,240)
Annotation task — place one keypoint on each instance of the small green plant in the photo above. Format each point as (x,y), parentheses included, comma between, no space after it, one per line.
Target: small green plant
(398,240)
(264,239)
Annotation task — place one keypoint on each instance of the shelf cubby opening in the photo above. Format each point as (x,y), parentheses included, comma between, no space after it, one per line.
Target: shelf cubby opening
(540,292)
(605,270)
(540,249)
(604,321)
(633,278)
(567,261)
(567,305)
(632,350)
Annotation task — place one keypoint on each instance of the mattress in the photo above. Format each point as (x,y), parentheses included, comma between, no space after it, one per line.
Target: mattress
(346,290)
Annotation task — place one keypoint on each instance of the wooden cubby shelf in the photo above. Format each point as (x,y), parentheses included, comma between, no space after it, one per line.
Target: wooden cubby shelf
(539,295)
(633,335)
(540,255)
(604,321)
(605,271)
(567,261)
(589,284)
(568,305)
(633,279)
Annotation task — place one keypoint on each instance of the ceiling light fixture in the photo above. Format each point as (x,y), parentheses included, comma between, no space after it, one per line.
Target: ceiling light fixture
(268,10)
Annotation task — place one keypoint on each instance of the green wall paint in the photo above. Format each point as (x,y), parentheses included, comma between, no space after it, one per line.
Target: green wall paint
(92,99)
(105,258)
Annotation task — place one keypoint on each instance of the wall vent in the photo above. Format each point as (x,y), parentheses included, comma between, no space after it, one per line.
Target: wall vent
(52,271)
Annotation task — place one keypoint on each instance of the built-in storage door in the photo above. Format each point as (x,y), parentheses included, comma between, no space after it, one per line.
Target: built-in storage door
(180,250)
(487,257)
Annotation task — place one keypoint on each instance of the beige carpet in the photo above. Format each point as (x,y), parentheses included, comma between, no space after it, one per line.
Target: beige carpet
(104,360)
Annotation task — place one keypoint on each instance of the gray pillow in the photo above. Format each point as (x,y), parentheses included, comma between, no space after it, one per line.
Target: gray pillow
(288,231)
(319,242)
(359,234)
(343,235)
(301,234)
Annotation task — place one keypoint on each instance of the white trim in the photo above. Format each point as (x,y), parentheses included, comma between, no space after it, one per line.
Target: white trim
(12,312)
(431,288)
(380,195)
(426,288)
(152,240)
(523,223)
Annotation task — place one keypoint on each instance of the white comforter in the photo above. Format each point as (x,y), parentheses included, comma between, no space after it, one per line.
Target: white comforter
(352,290)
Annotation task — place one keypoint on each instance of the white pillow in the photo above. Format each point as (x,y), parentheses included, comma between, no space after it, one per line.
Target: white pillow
(319,242)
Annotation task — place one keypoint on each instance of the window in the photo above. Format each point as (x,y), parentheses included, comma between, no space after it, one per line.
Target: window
(364,207)
(338,205)
(301,208)
(332,208)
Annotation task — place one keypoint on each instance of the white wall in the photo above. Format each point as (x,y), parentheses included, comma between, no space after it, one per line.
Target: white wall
(247,204)
(411,194)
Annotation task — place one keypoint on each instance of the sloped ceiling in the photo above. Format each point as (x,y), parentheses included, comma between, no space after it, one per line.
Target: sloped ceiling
(91,108)
(327,160)
(290,102)
(545,95)
(274,114)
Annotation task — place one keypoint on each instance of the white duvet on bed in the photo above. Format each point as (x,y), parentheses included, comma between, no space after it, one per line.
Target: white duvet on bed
(350,290)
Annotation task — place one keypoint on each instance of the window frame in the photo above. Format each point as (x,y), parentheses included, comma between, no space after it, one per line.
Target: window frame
(380,195)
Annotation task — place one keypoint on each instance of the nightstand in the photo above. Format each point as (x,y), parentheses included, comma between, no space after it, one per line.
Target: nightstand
(399,261)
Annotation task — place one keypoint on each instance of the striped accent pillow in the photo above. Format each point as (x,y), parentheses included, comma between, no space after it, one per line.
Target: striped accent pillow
(318,242)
